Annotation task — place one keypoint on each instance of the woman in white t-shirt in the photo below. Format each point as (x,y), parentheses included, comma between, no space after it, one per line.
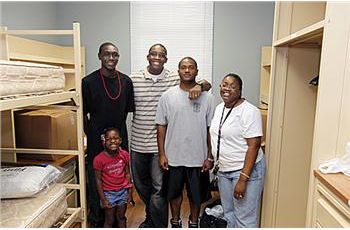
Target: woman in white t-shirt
(236,131)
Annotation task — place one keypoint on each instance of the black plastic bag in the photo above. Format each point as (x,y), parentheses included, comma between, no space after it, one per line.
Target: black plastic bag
(209,221)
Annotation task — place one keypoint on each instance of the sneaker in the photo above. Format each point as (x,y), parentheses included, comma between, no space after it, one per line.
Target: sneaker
(147,223)
(176,223)
(191,224)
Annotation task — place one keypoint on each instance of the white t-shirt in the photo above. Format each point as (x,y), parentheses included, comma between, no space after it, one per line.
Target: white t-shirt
(155,78)
(187,123)
(243,122)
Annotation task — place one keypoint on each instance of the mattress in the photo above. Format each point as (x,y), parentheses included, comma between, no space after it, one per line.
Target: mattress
(38,212)
(25,78)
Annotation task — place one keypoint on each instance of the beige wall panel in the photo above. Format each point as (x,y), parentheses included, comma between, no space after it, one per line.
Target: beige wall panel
(306,13)
(265,76)
(284,13)
(344,124)
(333,64)
(298,127)
(274,135)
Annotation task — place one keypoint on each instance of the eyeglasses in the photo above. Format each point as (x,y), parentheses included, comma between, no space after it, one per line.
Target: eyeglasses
(155,54)
(229,87)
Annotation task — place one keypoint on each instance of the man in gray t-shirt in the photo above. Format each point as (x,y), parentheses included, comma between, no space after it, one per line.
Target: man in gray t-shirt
(183,142)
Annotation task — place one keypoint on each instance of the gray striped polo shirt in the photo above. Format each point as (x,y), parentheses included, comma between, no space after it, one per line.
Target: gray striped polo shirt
(147,91)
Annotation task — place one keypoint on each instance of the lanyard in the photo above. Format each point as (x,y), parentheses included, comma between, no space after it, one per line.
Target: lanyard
(220,126)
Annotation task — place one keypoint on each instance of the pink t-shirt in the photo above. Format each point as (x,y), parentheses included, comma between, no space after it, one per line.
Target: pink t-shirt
(113,170)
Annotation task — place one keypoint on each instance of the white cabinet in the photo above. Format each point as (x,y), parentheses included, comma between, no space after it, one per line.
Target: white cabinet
(331,201)
(304,122)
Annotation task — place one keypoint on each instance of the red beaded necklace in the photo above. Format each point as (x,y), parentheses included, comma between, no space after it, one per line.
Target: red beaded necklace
(105,87)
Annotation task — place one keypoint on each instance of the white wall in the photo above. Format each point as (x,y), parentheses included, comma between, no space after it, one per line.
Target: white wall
(240,29)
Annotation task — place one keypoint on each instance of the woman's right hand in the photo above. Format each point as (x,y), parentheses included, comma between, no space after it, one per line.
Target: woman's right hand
(163,162)
(240,189)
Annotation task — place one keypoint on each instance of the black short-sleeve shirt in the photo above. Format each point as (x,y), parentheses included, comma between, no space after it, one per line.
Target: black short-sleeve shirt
(104,111)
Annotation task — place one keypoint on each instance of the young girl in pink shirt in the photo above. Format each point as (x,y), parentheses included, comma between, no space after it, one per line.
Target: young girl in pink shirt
(113,178)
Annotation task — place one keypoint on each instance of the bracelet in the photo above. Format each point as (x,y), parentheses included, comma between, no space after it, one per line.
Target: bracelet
(210,159)
(243,174)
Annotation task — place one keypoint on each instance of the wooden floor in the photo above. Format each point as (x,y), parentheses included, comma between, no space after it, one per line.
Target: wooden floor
(136,214)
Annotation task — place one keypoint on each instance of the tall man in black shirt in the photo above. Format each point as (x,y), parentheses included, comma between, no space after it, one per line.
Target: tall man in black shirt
(108,97)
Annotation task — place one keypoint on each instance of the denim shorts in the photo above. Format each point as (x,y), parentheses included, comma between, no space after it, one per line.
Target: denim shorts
(117,198)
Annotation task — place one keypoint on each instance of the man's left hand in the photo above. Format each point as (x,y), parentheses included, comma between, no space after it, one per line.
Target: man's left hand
(195,92)
(207,165)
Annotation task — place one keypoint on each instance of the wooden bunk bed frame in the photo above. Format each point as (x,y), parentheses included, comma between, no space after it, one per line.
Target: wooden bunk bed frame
(21,49)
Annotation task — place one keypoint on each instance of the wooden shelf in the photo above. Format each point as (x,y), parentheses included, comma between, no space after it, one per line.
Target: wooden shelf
(338,183)
(311,35)
(24,101)
(59,162)
(41,151)
(24,162)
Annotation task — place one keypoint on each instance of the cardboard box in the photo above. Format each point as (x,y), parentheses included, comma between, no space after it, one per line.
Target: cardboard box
(46,129)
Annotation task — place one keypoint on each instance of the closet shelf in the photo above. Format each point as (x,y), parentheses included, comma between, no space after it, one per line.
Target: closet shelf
(311,35)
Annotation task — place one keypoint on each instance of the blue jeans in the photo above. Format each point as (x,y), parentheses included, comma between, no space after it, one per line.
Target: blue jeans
(243,213)
(148,180)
